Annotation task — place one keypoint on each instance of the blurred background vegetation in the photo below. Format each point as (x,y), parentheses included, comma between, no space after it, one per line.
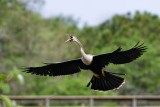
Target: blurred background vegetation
(28,39)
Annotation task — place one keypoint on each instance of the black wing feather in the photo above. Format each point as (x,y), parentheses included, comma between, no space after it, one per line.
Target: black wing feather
(121,57)
(56,69)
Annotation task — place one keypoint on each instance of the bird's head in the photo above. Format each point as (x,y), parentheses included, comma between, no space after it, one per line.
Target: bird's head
(72,38)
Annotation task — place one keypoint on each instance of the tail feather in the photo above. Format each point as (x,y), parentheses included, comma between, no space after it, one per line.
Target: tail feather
(116,80)
(102,84)
(96,84)
(114,83)
(105,83)
(110,85)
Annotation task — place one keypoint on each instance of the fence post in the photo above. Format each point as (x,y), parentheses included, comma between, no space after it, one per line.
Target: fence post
(134,102)
(47,102)
(91,102)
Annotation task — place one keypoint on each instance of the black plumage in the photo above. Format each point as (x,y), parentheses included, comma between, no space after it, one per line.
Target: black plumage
(101,80)
(57,69)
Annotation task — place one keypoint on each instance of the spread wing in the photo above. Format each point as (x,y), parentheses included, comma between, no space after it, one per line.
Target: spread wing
(121,57)
(56,69)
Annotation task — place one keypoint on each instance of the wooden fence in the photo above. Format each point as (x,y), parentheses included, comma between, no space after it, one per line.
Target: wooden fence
(86,101)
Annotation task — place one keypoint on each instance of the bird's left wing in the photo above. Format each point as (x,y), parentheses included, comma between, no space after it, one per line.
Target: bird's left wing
(57,69)
(121,57)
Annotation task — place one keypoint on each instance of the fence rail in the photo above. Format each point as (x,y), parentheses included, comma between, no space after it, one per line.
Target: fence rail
(130,101)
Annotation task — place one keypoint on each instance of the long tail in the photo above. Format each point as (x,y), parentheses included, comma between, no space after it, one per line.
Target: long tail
(108,82)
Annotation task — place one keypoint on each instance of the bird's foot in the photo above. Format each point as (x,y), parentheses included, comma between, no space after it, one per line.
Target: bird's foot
(96,75)
(103,72)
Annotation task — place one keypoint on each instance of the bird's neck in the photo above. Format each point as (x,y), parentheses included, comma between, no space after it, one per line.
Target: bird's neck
(81,48)
(82,52)
(86,58)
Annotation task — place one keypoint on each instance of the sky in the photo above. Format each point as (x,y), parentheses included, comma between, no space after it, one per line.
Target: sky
(94,12)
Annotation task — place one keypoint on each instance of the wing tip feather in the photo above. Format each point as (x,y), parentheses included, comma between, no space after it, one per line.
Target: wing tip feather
(140,47)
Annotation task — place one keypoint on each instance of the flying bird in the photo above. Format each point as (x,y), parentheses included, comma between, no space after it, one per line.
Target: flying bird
(102,79)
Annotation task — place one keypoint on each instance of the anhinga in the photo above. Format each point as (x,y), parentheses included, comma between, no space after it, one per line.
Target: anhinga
(102,79)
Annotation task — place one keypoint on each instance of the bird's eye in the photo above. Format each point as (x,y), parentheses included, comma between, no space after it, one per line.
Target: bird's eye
(71,37)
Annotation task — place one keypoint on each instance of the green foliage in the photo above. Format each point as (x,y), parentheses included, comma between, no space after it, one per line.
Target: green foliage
(27,39)
(6,100)
(2,76)
(13,76)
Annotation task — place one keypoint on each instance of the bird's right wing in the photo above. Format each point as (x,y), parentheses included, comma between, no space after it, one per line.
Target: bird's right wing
(121,57)
(57,69)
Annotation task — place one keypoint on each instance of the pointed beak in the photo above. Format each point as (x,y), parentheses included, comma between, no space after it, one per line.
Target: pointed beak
(67,40)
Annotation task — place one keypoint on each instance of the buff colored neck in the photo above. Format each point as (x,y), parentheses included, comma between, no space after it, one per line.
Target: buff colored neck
(86,58)
(81,48)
